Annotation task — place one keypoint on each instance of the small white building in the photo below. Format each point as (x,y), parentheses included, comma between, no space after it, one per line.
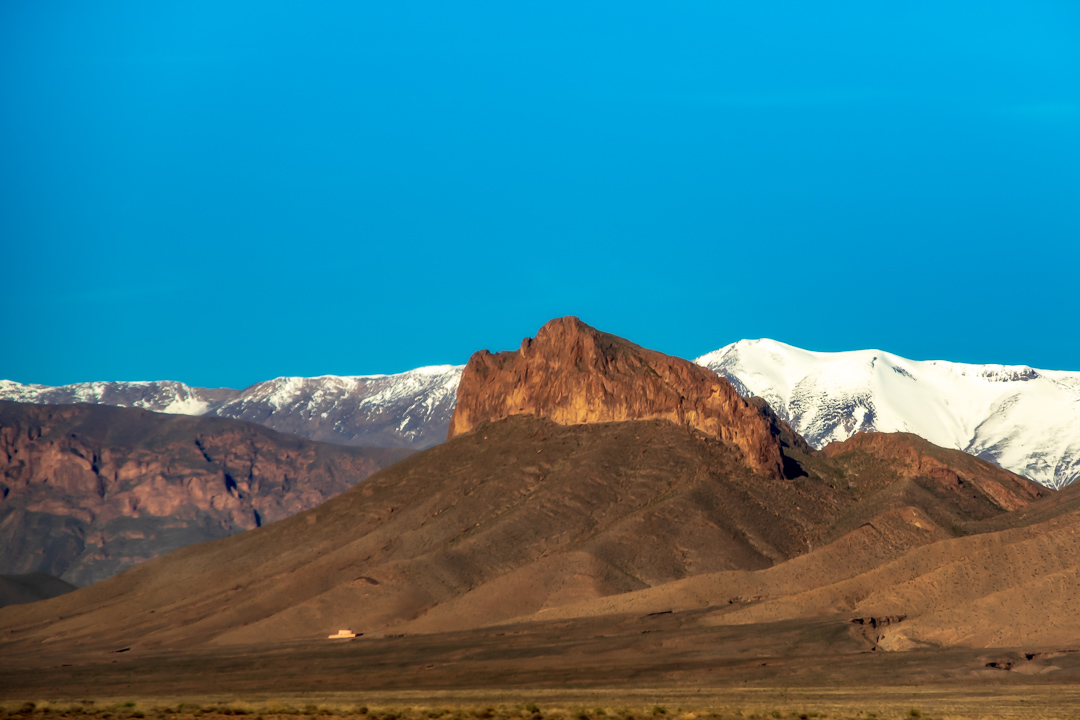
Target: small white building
(346,633)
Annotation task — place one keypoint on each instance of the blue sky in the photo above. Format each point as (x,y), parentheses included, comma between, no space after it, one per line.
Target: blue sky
(221,193)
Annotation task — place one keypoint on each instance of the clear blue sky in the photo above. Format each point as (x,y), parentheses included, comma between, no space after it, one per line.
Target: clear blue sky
(221,193)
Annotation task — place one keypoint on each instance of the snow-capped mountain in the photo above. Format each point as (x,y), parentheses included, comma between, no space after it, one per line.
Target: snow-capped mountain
(1023,419)
(410,409)
(167,396)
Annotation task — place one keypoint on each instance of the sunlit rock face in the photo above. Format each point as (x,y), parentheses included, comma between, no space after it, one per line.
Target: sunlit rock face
(571,373)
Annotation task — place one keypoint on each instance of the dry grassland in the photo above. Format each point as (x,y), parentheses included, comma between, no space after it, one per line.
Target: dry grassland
(892,703)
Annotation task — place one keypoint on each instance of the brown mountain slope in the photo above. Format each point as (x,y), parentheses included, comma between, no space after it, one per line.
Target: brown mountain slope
(1052,505)
(1008,589)
(87,491)
(519,518)
(954,473)
(1009,582)
(520,515)
(899,477)
(1014,588)
(571,373)
(902,493)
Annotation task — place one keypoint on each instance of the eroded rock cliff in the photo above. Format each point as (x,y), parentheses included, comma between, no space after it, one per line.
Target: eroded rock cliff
(571,373)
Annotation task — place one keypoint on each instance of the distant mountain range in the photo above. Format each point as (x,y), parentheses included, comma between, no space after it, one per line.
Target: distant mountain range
(87,491)
(1021,418)
(409,410)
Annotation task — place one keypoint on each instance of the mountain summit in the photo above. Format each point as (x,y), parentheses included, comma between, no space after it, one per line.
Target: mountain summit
(1020,418)
(572,374)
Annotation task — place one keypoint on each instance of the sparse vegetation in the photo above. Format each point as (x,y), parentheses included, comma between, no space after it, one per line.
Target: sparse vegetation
(327,707)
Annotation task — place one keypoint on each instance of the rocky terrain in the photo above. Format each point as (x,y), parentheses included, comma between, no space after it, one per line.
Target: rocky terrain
(409,410)
(1021,418)
(593,530)
(87,491)
(571,373)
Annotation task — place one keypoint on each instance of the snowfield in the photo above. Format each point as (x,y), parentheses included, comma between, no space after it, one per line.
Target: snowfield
(1025,420)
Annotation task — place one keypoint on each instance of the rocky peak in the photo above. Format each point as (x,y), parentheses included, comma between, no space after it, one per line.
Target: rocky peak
(571,373)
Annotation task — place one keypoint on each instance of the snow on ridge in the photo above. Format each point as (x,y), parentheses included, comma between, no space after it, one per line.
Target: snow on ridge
(283,391)
(411,408)
(990,372)
(167,396)
(1024,419)
(18,392)
(434,370)
(425,370)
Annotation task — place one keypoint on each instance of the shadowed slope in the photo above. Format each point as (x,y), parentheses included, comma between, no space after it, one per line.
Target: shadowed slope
(31,587)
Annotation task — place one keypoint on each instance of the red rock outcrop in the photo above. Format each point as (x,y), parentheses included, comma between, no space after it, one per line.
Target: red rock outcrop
(571,373)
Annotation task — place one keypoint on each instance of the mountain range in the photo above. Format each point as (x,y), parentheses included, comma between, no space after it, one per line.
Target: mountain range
(88,491)
(1023,419)
(409,410)
(1020,418)
(593,492)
